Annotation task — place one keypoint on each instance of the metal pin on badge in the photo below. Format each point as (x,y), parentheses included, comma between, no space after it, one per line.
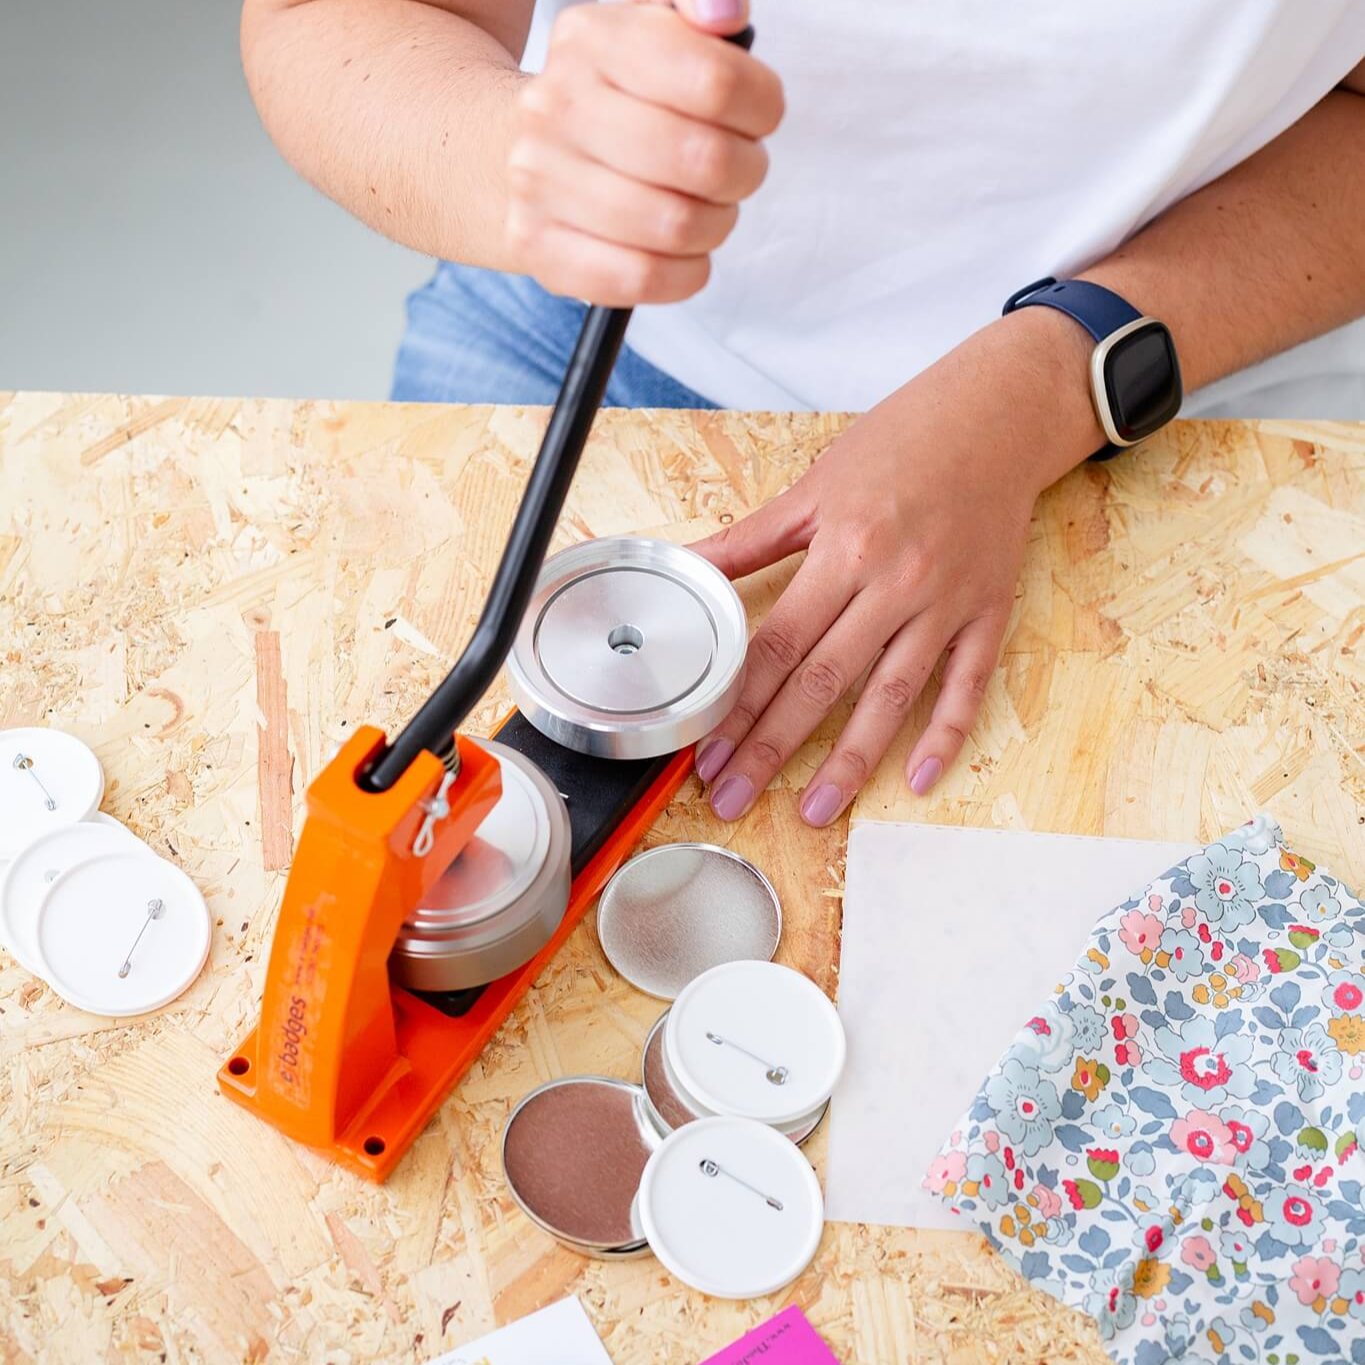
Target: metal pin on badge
(713,1169)
(25,764)
(776,1075)
(155,907)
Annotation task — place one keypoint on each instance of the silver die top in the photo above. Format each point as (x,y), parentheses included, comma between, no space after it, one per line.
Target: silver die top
(631,648)
(501,899)
(498,863)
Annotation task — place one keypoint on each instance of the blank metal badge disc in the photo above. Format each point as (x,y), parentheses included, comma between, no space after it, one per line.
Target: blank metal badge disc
(631,648)
(498,904)
(666,1109)
(678,910)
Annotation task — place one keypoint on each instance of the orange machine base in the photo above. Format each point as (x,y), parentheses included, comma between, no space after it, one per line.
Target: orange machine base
(432,1050)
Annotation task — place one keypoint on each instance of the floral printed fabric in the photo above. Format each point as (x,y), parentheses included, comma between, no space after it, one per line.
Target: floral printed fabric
(1172,1143)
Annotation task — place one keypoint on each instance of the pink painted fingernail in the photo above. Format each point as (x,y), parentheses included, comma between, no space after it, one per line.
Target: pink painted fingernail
(712,757)
(718,11)
(733,797)
(821,804)
(926,775)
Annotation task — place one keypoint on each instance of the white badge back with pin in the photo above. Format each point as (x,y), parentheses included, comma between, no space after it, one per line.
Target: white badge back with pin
(757,1040)
(123,933)
(36,867)
(731,1207)
(84,903)
(47,779)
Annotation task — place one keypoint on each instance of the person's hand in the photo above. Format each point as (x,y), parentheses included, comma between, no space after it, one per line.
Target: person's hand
(634,148)
(914,523)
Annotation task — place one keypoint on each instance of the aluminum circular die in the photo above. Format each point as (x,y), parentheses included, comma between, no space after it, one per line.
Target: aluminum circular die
(669,1108)
(677,910)
(631,648)
(501,900)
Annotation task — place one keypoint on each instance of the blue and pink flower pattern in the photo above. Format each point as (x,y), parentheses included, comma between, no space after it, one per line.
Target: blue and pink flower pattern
(1172,1143)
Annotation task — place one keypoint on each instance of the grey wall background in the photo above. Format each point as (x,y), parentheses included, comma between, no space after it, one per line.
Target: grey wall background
(151,239)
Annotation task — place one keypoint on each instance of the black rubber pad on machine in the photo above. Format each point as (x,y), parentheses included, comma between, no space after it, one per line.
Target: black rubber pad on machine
(600,793)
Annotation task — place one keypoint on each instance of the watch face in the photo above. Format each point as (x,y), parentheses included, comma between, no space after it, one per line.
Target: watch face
(1142,381)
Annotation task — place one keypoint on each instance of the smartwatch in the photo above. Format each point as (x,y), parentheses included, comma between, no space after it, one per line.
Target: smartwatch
(1134,372)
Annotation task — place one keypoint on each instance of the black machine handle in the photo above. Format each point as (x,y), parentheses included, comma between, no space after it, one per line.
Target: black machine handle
(585,382)
(433,727)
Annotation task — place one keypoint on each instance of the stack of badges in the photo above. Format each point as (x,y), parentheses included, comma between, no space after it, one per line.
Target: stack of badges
(84,903)
(698,1163)
(727,1204)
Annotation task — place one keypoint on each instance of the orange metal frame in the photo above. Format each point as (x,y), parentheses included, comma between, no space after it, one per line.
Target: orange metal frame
(342,1059)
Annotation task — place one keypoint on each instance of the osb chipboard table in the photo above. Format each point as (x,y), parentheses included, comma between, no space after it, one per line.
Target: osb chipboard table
(211,593)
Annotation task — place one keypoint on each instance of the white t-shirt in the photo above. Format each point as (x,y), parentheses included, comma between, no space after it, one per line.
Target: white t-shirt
(936,156)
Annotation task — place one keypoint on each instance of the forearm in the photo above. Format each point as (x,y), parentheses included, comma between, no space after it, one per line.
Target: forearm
(1267,256)
(400,110)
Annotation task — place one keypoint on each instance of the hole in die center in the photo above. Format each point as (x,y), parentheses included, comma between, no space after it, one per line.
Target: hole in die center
(625,639)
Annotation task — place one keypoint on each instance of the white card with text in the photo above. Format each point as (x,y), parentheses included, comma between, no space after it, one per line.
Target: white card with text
(558,1335)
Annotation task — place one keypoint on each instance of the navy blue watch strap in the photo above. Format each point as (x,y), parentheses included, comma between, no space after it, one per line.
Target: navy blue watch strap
(1099,310)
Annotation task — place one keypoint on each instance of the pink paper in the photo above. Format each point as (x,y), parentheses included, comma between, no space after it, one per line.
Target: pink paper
(787,1339)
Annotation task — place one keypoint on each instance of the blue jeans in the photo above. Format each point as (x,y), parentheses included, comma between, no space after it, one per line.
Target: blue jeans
(475,336)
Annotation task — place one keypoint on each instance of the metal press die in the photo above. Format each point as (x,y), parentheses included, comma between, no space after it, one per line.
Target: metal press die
(631,648)
(497,905)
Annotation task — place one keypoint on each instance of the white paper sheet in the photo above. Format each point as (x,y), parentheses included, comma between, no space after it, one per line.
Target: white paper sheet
(558,1335)
(952,939)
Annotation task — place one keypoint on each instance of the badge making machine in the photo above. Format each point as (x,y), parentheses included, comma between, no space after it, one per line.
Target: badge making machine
(436,875)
